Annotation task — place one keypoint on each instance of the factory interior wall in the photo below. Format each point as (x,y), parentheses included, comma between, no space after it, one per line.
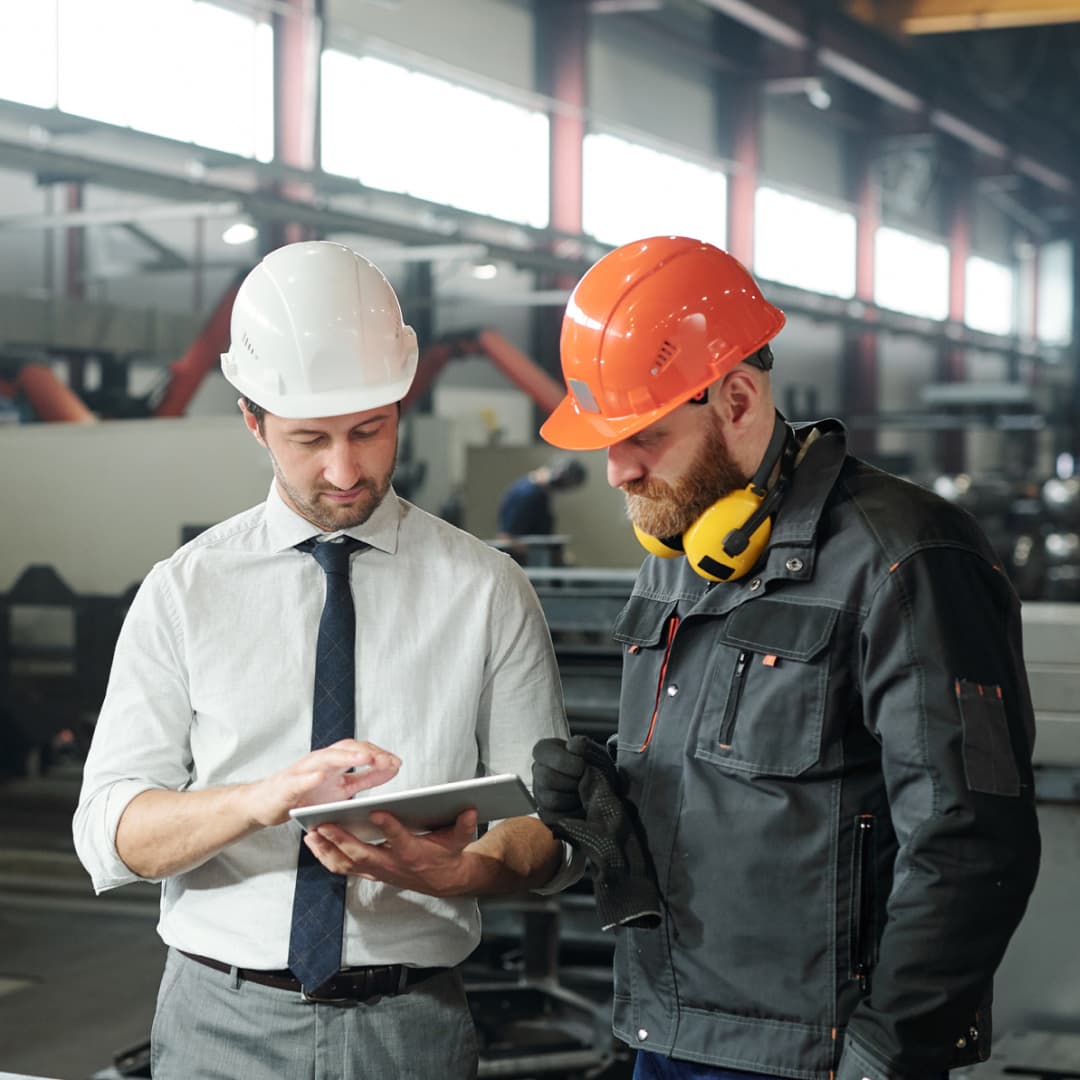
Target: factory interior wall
(101,503)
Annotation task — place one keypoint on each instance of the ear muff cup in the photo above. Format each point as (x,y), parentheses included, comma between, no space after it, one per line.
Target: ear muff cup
(727,539)
(717,546)
(668,548)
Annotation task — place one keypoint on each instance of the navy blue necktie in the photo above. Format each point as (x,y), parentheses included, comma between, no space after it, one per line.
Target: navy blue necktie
(319,901)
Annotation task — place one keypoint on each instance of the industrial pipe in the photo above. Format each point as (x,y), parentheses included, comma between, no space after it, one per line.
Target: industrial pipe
(51,399)
(521,371)
(204,354)
(524,373)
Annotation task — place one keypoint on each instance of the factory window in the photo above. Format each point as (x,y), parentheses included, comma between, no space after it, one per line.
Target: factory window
(989,296)
(630,191)
(127,62)
(911,274)
(28,53)
(804,243)
(1054,307)
(407,131)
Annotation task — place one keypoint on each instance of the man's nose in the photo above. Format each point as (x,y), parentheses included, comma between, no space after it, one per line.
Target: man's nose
(341,468)
(623,464)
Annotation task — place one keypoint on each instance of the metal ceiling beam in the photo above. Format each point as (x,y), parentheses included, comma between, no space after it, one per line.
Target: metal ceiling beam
(441,225)
(862,56)
(950,16)
(120,215)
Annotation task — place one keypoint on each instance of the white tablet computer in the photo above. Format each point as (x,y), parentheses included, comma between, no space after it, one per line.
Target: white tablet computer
(426,808)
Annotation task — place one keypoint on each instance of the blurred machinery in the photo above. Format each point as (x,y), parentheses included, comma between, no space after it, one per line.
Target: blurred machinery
(1034,526)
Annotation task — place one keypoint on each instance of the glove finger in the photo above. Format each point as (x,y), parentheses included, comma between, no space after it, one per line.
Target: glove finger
(548,779)
(555,755)
(598,757)
(607,857)
(560,805)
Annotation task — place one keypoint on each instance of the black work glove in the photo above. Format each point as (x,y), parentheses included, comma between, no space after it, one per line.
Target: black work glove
(579,794)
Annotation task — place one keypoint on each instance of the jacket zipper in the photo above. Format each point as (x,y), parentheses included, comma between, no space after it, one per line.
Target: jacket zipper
(673,625)
(727,726)
(864,915)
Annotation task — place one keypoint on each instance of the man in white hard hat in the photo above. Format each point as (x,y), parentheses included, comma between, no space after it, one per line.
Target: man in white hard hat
(205,740)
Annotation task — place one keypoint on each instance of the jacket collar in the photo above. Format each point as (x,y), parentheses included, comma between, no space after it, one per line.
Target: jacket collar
(813,478)
(791,553)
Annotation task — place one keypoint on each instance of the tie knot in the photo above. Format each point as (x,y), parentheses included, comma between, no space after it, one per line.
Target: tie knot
(332,555)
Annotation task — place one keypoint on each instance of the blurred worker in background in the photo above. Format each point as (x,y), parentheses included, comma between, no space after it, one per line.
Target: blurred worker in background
(205,740)
(525,508)
(819,830)
(526,519)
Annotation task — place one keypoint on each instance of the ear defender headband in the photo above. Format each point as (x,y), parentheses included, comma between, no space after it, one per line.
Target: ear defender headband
(727,540)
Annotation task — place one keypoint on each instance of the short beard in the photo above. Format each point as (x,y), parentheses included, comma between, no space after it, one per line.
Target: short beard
(330,518)
(666,510)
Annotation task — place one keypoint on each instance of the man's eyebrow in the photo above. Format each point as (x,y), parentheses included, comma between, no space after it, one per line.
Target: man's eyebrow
(322,431)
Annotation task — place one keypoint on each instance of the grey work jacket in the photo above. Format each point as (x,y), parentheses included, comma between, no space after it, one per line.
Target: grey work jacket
(831,758)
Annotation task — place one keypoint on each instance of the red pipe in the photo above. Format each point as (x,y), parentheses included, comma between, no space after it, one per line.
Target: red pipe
(202,356)
(433,358)
(524,373)
(51,398)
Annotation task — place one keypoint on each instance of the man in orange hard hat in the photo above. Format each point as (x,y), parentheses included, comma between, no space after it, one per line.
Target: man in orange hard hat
(815,832)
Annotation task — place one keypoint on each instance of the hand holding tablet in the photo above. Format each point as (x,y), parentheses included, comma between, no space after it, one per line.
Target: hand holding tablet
(424,809)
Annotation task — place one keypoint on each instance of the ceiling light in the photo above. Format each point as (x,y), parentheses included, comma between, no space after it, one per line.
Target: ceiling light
(817,95)
(240,232)
(484,271)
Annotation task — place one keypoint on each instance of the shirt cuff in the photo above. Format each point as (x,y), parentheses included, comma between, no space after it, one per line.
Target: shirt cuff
(97,849)
(570,870)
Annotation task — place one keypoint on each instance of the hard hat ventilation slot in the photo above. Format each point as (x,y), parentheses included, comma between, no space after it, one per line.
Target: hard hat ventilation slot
(246,342)
(667,352)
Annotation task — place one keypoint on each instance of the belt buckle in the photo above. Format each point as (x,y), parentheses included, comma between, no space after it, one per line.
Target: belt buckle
(315,998)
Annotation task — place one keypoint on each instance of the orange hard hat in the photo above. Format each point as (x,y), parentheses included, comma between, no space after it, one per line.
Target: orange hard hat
(647,328)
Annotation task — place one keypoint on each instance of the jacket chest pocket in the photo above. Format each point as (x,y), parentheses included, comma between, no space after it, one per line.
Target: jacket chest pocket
(763,704)
(646,629)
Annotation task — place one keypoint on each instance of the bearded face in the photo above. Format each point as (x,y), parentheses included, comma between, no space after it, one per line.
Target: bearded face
(664,510)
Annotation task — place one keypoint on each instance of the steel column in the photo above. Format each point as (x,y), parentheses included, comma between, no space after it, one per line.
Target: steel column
(298,30)
(952,359)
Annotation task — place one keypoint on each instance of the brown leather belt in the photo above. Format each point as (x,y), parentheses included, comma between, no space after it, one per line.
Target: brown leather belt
(349,984)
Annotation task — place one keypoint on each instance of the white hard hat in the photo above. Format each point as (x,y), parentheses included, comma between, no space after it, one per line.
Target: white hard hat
(317,331)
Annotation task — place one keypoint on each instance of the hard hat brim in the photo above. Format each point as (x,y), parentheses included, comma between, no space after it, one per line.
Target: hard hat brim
(571,429)
(327,402)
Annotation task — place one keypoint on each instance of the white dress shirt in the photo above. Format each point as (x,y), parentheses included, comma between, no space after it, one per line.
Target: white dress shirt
(212,684)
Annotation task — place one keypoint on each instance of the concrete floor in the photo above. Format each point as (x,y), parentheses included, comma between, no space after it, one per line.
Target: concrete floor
(78,973)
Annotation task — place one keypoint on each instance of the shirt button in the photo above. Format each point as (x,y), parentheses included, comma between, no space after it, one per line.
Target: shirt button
(672,690)
(794,565)
(755,584)
(642,1034)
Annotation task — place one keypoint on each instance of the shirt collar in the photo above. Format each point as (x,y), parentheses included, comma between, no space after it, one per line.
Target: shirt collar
(287,528)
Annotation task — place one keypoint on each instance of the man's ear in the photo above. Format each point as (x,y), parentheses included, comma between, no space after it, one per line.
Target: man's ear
(737,395)
(251,423)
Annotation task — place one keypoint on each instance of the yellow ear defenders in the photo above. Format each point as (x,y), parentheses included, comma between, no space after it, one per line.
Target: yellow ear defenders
(727,540)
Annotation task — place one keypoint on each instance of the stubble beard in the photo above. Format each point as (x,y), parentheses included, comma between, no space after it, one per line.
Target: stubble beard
(665,510)
(327,516)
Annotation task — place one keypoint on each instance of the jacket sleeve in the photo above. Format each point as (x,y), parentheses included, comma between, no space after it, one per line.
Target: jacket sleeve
(945,692)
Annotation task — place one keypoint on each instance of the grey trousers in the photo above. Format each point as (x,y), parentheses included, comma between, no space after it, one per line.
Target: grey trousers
(211,1026)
